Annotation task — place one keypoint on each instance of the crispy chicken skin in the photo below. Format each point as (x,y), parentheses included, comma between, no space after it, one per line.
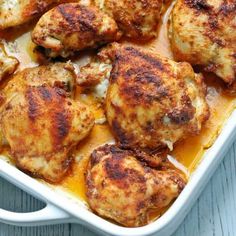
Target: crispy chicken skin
(203,32)
(153,101)
(7,64)
(16,12)
(121,188)
(41,123)
(136,18)
(72,27)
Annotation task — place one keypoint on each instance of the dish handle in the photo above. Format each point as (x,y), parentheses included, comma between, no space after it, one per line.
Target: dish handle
(47,216)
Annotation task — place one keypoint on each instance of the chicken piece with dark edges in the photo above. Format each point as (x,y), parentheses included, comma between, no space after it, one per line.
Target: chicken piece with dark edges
(7,64)
(73,27)
(136,18)
(121,188)
(41,122)
(152,102)
(203,32)
(17,12)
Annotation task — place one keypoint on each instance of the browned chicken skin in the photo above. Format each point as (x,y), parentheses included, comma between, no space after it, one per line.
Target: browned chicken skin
(41,123)
(16,12)
(72,27)
(203,32)
(121,188)
(136,18)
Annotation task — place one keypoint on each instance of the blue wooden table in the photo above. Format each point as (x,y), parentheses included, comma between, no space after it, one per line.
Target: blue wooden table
(213,214)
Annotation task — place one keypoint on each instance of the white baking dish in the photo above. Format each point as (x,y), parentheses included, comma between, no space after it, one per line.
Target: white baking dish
(60,209)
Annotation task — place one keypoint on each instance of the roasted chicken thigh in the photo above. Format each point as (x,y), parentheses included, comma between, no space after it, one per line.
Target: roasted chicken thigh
(121,188)
(152,101)
(72,27)
(41,123)
(203,32)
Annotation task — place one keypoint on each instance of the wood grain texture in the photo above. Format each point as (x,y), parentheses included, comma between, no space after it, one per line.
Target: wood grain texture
(213,214)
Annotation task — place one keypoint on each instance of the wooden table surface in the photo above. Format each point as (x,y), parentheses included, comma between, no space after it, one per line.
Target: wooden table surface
(213,214)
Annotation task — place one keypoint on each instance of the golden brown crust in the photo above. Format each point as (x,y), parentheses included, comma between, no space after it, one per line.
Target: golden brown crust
(73,27)
(152,100)
(123,189)
(136,18)
(203,32)
(55,102)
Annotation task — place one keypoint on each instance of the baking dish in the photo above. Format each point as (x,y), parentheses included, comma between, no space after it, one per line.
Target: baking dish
(63,209)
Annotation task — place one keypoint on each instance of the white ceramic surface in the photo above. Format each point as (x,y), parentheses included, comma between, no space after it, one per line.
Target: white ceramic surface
(60,209)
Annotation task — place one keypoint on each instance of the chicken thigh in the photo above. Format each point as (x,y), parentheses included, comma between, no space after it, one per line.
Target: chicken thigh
(41,123)
(16,12)
(136,18)
(121,188)
(203,32)
(152,101)
(72,27)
